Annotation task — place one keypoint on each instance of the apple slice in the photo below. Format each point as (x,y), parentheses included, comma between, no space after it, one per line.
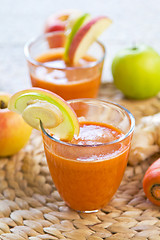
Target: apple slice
(36,104)
(76,25)
(85,36)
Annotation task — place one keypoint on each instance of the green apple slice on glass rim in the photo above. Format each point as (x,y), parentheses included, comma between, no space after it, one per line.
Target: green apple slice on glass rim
(37,105)
(78,22)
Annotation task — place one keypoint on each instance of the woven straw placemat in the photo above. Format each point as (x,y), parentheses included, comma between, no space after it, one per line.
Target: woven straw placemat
(31,208)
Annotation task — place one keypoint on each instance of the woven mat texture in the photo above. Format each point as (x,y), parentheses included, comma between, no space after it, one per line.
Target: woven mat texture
(31,208)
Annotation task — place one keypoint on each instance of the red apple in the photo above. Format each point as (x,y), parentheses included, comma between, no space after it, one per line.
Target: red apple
(59,21)
(85,36)
(14,132)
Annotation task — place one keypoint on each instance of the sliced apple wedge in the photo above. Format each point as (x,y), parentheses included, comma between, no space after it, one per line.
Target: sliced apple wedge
(77,24)
(85,36)
(37,105)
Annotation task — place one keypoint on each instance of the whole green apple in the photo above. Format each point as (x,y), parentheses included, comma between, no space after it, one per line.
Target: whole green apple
(136,72)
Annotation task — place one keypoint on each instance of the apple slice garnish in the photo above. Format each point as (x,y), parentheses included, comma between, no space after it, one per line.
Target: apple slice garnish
(72,31)
(85,36)
(37,105)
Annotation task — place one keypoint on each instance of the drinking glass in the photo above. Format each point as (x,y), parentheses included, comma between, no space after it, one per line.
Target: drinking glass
(70,82)
(87,176)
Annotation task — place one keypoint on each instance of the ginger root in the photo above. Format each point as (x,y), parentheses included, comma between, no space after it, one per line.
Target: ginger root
(146,139)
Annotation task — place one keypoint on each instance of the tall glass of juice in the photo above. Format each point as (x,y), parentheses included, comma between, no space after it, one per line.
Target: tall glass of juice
(48,70)
(88,170)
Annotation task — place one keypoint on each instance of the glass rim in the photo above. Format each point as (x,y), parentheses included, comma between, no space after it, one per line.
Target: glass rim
(30,42)
(130,131)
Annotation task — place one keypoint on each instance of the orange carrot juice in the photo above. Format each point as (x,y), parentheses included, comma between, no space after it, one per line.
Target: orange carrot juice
(69,84)
(48,69)
(88,170)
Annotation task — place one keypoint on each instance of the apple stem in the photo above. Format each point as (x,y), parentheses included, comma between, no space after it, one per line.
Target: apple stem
(2,104)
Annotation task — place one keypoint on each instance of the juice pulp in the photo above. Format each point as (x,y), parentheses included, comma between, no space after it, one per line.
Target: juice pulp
(70,82)
(88,174)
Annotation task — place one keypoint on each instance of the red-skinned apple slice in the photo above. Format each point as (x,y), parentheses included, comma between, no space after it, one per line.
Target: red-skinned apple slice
(86,35)
(74,28)
(36,104)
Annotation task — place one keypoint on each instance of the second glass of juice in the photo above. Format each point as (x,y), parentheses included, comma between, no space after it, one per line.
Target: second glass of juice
(88,170)
(48,70)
